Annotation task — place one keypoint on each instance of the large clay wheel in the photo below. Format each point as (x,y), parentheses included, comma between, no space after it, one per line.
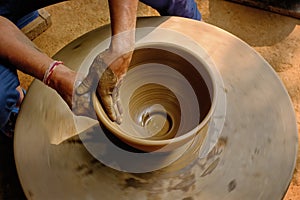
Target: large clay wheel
(254,157)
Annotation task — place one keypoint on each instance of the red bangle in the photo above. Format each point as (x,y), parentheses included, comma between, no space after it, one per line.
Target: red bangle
(49,71)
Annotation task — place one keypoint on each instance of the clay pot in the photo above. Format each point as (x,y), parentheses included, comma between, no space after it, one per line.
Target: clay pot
(168,97)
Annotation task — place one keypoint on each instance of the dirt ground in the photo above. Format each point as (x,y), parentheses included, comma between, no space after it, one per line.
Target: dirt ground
(275,37)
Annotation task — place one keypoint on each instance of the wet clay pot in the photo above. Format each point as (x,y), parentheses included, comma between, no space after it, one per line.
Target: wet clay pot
(166,101)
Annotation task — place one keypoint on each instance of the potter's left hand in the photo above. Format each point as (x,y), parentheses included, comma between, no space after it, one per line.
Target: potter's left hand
(104,77)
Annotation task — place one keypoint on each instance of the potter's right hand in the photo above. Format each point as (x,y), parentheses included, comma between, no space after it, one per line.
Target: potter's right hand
(105,77)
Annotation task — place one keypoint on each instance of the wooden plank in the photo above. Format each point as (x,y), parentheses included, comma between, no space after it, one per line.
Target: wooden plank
(38,25)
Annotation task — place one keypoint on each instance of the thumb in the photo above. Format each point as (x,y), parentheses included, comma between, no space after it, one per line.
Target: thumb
(89,83)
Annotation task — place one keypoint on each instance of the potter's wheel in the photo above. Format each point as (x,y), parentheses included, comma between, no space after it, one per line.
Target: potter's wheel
(254,157)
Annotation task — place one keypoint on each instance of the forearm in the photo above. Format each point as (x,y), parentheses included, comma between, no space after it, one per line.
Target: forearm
(123,22)
(17,49)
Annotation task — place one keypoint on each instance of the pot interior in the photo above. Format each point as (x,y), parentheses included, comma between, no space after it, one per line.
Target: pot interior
(166,93)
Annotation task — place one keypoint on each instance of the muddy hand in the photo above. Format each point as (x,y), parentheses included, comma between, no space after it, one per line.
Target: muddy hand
(101,79)
(108,90)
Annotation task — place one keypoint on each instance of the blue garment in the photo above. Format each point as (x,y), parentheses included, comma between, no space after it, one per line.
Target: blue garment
(9,96)
(27,19)
(182,8)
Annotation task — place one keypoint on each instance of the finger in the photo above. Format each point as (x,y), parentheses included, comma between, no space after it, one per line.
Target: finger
(84,87)
(119,111)
(119,120)
(117,108)
(90,82)
(109,107)
(117,101)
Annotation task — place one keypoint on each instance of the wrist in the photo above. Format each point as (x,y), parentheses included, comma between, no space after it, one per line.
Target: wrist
(123,42)
(121,63)
(62,80)
(49,71)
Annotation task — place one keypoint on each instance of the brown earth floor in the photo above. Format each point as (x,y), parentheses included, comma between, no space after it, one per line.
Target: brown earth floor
(275,37)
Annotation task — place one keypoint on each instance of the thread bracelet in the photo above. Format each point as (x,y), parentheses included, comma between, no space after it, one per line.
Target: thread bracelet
(50,70)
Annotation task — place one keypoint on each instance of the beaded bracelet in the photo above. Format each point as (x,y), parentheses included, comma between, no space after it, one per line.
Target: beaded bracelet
(49,71)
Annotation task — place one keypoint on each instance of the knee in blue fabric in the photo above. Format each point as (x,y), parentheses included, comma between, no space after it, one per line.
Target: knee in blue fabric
(9,96)
(182,8)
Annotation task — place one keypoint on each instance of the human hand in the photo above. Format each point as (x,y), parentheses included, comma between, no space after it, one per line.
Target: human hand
(104,77)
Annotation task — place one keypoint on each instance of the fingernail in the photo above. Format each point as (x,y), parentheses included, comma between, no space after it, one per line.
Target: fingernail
(119,120)
(79,90)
